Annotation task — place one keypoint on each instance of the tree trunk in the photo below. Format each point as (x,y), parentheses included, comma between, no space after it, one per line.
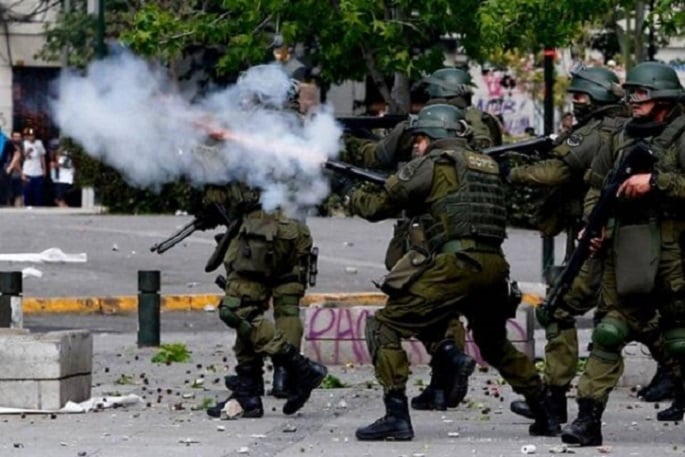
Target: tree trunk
(401,94)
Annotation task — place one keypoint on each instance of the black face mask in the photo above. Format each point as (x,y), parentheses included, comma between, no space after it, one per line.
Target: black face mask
(580,110)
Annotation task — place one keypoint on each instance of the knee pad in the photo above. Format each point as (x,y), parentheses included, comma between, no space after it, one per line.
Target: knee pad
(286,306)
(675,342)
(372,336)
(610,333)
(230,317)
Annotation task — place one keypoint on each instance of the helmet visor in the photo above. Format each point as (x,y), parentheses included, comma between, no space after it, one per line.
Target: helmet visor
(638,94)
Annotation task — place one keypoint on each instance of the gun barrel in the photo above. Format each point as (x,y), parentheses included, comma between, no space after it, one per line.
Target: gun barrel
(541,144)
(176,238)
(355,172)
(371,122)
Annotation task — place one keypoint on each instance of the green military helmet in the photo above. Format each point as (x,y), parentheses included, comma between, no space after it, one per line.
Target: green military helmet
(449,82)
(439,121)
(658,81)
(600,84)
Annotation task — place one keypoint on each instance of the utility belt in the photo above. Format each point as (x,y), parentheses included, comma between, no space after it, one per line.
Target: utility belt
(470,244)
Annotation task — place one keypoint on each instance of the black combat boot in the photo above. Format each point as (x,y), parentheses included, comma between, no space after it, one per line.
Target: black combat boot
(545,424)
(676,411)
(395,425)
(279,388)
(433,396)
(456,367)
(586,430)
(661,387)
(247,392)
(305,375)
(556,403)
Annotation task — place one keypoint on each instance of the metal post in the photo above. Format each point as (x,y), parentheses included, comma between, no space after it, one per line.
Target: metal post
(101,50)
(549,54)
(10,295)
(148,308)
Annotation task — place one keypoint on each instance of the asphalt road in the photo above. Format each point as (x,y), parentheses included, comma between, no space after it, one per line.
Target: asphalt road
(351,253)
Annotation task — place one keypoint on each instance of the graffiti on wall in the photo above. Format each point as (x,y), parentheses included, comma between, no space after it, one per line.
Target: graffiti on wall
(336,336)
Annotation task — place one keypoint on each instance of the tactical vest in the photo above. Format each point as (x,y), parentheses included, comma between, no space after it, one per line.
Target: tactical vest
(476,209)
(666,147)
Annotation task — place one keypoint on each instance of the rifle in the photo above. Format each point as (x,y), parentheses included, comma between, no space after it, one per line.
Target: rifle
(387,121)
(351,171)
(198,223)
(178,236)
(637,159)
(539,145)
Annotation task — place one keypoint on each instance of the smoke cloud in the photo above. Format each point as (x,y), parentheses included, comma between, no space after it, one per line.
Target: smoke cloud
(128,113)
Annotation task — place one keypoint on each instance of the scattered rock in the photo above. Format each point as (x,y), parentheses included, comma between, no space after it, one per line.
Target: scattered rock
(115,247)
(348,243)
(563,449)
(209,308)
(604,449)
(232,410)
(18,445)
(244,450)
(190,395)
(289,428)
(351,270)
(453,434)
(188,441)
(528,449)
(342,404)
(220,428)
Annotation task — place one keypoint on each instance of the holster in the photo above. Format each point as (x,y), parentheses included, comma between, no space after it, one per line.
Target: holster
(412,265)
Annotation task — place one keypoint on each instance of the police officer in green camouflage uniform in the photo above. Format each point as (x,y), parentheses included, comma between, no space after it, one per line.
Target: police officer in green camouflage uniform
(596,96)
(642,264)
(451,86)
(454,199)
(266,261)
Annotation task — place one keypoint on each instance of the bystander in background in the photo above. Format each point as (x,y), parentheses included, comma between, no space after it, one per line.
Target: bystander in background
(61,172)
(34,169)
(14,169)
(566,122)
(6,155)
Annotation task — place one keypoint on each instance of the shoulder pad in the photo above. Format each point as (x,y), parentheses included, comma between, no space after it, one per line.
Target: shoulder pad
(415,168)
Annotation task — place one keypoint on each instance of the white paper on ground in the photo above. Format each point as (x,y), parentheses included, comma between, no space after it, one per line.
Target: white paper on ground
(83,407)
(51,255)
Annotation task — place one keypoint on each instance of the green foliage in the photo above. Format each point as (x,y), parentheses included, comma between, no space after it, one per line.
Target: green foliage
(331,382)
(172,352)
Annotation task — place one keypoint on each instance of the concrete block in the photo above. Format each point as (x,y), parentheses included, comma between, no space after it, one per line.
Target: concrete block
(334,335)
(45,370)
(50,394)
(639,367)
(51,355)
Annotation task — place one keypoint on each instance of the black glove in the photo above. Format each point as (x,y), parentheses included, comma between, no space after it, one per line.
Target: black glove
(208,217)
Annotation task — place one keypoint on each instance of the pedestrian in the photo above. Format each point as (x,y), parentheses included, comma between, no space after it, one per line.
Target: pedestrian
(454,265)
(61,172)
(15,167)
(34,168)
(642,264)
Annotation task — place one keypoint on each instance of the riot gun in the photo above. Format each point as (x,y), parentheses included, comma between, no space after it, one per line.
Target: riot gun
(183,233)
(351,171)
(638,159)
(206,221)
(540,145)
(387,121)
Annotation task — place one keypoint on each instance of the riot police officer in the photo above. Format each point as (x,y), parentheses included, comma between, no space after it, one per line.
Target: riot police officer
(453,198)
(643,262)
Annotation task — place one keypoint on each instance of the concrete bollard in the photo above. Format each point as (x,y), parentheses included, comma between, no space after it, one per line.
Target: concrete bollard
(10,299)
(148,308)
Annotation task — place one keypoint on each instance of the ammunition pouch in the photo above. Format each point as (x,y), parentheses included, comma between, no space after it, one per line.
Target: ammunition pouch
(255,255)
(228,312)
(637,249)
(412,265)
(398,244)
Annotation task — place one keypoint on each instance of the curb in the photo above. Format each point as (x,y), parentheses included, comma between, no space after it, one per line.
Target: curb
(193,302)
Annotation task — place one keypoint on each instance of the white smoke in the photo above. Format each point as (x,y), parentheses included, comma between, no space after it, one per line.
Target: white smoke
(127,113)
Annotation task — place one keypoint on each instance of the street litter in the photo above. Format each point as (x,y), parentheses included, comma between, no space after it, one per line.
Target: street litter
(51,255)
(94,403)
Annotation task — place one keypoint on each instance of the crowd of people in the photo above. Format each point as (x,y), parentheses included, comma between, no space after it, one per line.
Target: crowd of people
(445,258)
(31,174)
